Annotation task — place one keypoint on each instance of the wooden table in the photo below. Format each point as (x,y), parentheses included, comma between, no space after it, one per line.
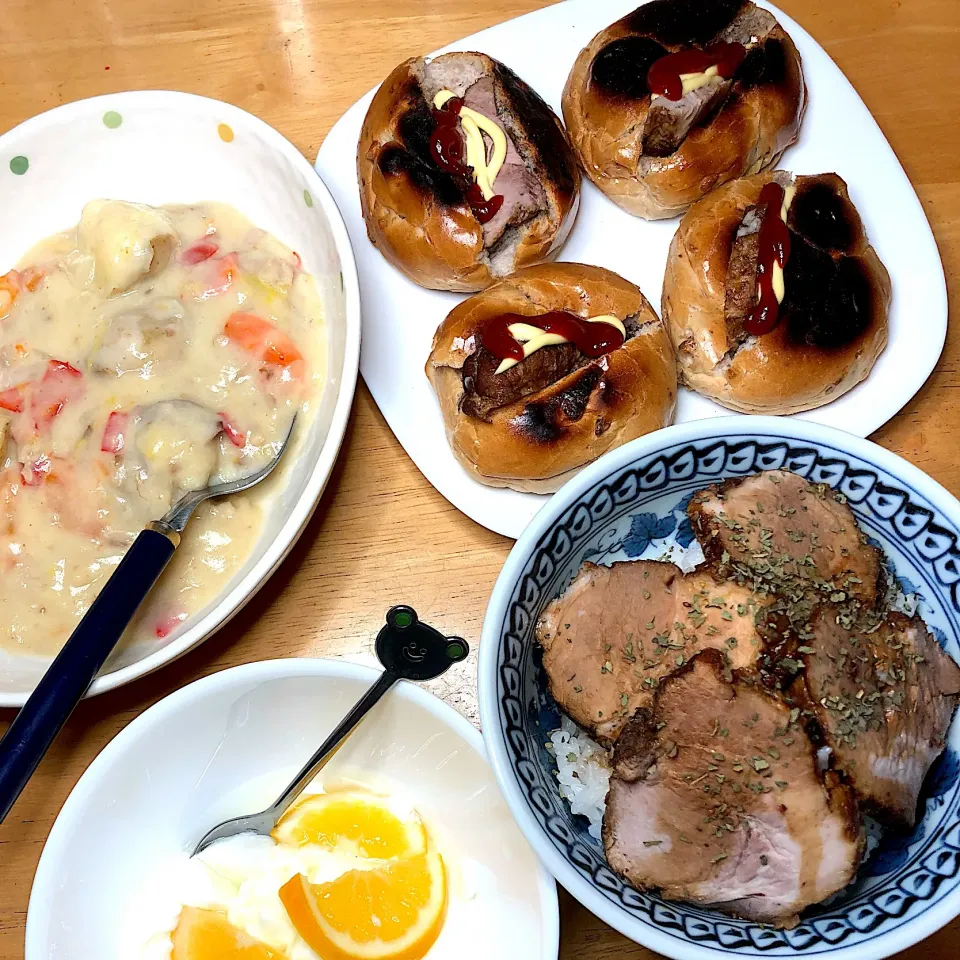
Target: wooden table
(382,534)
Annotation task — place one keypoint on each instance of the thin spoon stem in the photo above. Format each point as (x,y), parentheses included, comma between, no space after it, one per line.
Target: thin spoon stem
(330,746)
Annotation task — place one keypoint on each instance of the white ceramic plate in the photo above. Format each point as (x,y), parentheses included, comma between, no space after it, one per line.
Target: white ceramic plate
(228,744)
(161,147)
(838,134)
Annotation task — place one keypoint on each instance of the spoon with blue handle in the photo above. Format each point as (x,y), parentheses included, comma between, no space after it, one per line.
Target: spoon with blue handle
(408,650)
(61,688)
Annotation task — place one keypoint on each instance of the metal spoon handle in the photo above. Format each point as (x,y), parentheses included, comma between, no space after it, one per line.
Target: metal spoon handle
(46,711)
(408,650)
(330,746)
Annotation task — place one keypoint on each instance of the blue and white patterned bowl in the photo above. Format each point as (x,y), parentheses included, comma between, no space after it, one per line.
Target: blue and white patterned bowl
(631,504)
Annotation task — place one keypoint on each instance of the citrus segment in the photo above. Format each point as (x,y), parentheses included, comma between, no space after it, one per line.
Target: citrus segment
(366,824)
(392,913)
(203,934)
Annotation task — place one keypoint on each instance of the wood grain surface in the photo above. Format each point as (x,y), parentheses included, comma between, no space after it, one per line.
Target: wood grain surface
(382,534)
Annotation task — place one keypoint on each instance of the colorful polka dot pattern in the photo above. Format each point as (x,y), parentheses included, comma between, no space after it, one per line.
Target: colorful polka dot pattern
(112,120)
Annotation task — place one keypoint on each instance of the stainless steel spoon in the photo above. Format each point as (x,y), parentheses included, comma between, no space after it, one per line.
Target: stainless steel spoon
(63,685)
(408,650)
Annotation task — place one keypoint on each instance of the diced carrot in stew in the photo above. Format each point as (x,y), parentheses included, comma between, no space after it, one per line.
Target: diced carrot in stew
(113,434)
(260,337)
(9,291)
(224,273)
(247,330)
(60,384)
(199,252)
(32,277)
(216,277)
(11,400)
(237,437)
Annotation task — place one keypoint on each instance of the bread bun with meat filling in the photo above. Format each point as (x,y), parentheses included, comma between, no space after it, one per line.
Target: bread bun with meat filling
(829,328)
(653,155)
(499,192)
(530,427)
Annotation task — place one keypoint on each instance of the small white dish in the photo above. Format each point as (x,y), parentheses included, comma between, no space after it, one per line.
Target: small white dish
(228,744)
(838,134)
(162,147)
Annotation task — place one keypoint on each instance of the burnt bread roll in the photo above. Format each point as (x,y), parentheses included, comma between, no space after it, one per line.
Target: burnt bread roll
(465,173)
(681,96)
(762,344)
(591,368)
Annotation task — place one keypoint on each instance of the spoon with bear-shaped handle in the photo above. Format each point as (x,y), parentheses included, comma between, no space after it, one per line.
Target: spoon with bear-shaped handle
(408,650)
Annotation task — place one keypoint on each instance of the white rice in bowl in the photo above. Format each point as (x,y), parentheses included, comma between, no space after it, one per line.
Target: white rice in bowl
(583,769)
(686,558)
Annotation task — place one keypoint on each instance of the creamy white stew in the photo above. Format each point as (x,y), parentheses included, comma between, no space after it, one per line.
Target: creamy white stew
(147,352)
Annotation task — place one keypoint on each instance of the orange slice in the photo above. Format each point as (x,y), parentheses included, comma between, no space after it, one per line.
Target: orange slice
(355,821)
(207,935)
(393,913)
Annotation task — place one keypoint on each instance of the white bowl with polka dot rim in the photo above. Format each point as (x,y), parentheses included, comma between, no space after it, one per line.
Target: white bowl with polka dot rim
(631,504)
(159,147)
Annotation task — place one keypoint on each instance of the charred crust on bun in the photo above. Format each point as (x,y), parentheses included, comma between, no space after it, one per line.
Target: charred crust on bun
(654,155)
(429,218)
(620,68)
(683,22)
(829,300)
(544,129)
(832,322)
(397,160)
(409,154)
(824,215)
(765,65)
(533,425)
(547,421)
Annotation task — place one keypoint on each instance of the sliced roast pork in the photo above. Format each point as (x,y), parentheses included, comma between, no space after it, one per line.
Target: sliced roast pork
(717,798)
(740,295)
(669,122)
(522,193)
(617,631)
(779,533)
(876,687)
(882,693)
(485,390)
(740,289)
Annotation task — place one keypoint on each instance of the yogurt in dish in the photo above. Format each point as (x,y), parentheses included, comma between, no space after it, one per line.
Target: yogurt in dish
(349,873)
(144,353)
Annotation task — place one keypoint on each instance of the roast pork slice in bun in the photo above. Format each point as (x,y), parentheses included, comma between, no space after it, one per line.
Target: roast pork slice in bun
(760,343)
(681,96)
(532,420)
(465,173)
